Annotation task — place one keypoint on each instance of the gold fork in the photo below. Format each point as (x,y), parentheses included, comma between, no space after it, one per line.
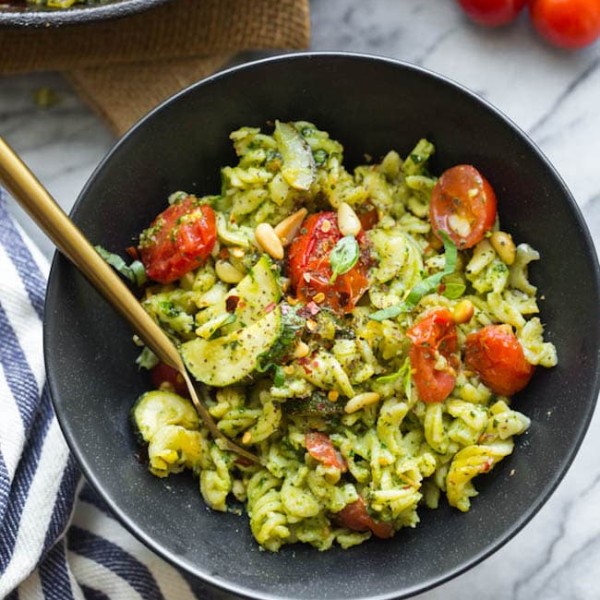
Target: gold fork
(66,236)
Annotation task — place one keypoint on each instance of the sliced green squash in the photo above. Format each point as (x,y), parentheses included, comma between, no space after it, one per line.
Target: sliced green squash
(229,359)
(298,168)
(156,409)
(256,292)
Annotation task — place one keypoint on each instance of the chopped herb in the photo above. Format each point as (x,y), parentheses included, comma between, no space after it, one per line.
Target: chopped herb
(454,289)
(344,256)
(423,287)
(134,272)
(279,377)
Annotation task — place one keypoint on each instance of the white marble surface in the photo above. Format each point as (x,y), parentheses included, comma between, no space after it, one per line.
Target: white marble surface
(553,95)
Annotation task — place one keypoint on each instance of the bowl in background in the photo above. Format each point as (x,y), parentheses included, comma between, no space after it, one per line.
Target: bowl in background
(41,16)
(371,105)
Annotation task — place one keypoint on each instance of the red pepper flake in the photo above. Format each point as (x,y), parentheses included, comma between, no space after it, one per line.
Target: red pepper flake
(270,307)
(133,252)
(305,364)
(309,310)
(487,465)
(231,303)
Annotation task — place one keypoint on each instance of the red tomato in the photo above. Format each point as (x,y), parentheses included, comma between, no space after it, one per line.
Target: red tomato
(310,271)
(162,373)
(430,337)
(492,12)
(463,204)
(496,354)
(567,23)
(368,218)
(354,516)
(320,447)
(178,240)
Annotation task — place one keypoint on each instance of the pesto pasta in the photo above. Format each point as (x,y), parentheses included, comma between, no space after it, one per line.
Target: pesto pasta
(360,331)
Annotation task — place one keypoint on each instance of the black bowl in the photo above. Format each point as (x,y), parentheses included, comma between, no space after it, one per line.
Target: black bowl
(34,16)
(371,105)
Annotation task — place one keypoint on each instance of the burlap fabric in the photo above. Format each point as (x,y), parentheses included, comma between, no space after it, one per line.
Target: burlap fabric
(125,67)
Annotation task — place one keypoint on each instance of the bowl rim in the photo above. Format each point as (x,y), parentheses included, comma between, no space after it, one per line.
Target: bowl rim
(75,15)
(518,524)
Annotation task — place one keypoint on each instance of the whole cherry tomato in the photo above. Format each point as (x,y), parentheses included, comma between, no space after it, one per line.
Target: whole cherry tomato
(164,374)
(492,12)
(354,516)
(310,270)
(178,240)
(567,23)
(463,204)
(496,354)
(431,337)
(321,448)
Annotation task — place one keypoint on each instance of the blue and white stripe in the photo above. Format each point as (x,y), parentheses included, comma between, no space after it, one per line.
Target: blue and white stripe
(57,539)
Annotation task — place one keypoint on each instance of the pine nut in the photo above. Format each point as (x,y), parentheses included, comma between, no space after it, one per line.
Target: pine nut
(348,221)
(247,437)
(289,227)
(237,252)
(301,350)
(504,246)
(361,401)
(227,272)
(463,311)
(269,241)
(333,395)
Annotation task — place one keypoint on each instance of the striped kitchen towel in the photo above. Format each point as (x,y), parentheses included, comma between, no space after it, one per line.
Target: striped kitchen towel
(57,539)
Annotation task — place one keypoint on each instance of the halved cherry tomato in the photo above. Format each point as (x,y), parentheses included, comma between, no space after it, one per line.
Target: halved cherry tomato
(321,448)
(496,354)
(310,270)
(463,204)
(178,240)
(163,374)
(368,218)
(567,23)
(492,12)
(354,516)
(431,337)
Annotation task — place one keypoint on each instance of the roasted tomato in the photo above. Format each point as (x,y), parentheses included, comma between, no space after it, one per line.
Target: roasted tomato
(492,12)
(369,217)
(567,23)
(163,375)
(434,340)
(321,448)
(310,270)
(178,240)
(496,354)
(463,205)
(354,516)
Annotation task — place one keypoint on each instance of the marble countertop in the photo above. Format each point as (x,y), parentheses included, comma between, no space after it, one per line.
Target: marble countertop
(553,95)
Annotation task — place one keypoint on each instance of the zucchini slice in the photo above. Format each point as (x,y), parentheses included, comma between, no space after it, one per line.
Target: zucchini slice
(229,359)
(156,409)
(298,169)
(255,292)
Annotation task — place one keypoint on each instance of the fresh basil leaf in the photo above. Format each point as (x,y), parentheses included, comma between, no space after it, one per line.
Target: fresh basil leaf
(134,272)
(344,256)
(424,287)
(139,272)
(279,377)
(454,289)
(405,372)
